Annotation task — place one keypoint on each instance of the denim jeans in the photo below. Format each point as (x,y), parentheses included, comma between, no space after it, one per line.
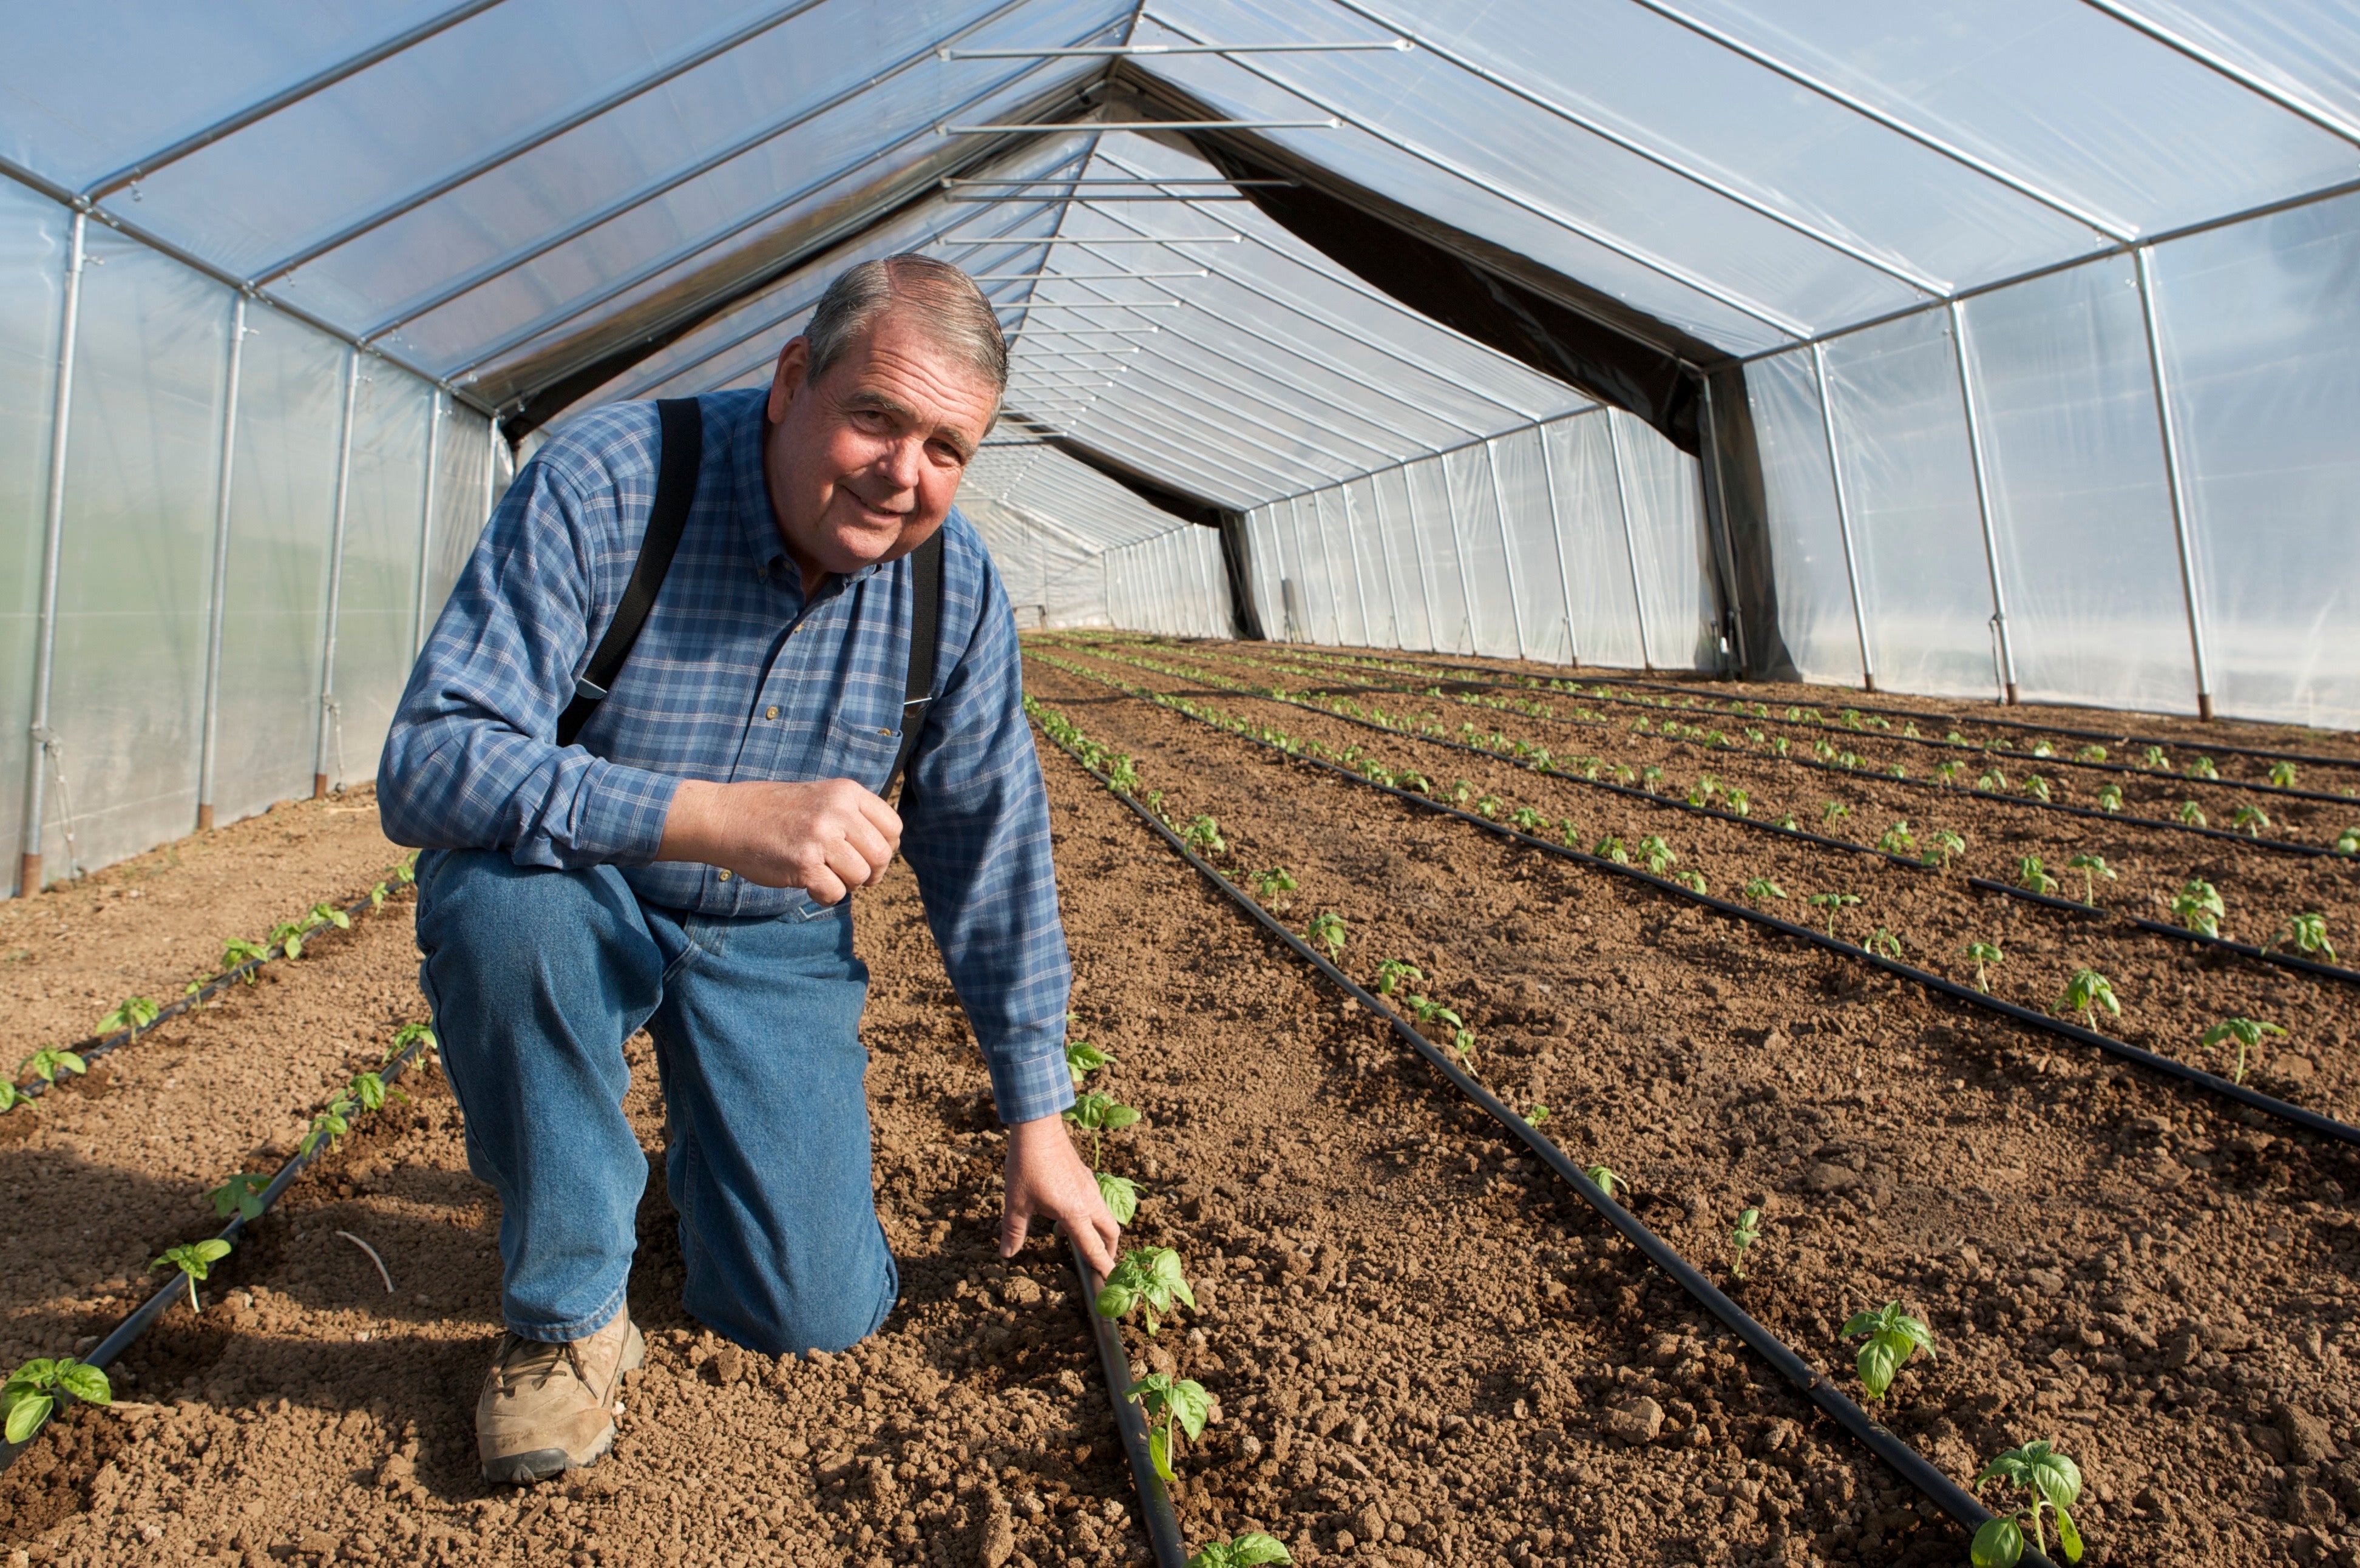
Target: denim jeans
(536,976)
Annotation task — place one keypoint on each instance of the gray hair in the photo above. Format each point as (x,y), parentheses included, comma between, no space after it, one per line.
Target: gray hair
(943,301)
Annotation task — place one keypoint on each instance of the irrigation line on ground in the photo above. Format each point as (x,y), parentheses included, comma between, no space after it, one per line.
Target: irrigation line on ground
(2277,845)
(1156,1511)
(1905,1461)
(143,1316)
(1626,790)
(2179,933)
(2309,1120)
(2120,737)
(1597,695)
(95,1046)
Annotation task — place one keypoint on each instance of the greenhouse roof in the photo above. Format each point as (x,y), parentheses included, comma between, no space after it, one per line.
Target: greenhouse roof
(538,205)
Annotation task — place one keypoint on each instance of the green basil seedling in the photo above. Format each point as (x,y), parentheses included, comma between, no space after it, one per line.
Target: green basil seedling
(1692,880)
(1884,941)
(1392,972)
(2246,1033)
(2033,877)
(1604,1180)
(48,1062)
(1741,1240)
(1082,1059)
(288,936)
(2197,907)
(194,1259)
(131,1013)
(1277,879)
(1893,1336)
(2202,768)
(1757,889)
(1100,1113)
(1898,839)
(1834,904)
(1329,931)
(1149,1278)
(2282,775)
(32,1390)
(329,915)
(1739,802)
(1984,955)
(1611,848)
(328,1125)
(2110,798)
(1175,1403)
(2192,814)
(238,951)
(2348,841)
(241,1195)
(2153,757)
(2052,1482)
(1248,1550)
(2306,934)
(2091,866)
(1657,855)
(1831,812)
(2090,754)
(1204,836)
(2250,818)
(1120,1194)
(2085,994)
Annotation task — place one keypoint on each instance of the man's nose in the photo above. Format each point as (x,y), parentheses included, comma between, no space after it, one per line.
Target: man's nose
(900,462)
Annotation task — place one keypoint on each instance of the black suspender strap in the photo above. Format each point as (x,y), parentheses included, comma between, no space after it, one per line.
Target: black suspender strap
(925,632)
(683,448)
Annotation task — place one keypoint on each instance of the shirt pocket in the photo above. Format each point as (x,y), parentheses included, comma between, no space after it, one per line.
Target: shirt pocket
(863,753)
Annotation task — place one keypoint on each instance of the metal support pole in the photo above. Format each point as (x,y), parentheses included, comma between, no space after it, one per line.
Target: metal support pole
(1715,504)
(52,533)
(1556,536)
(1352,559)
(426,517)
(1507,550)
(1983,506)
(1393,601)
(218,612)
(1326,564)
(1450,521)
(1843,514)
(1417,557)
(2177,481)
(1630,541)
(336,579)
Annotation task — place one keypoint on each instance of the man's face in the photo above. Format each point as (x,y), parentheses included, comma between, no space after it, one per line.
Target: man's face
(863,466)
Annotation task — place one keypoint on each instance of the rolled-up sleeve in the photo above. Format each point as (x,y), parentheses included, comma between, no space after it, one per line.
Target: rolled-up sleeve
(472,761)
(976,829)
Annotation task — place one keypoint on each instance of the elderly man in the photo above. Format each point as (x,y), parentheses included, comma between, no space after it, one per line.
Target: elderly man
(647,750)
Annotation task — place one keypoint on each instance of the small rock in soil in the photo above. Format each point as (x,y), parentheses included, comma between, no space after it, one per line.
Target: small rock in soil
(1637,1422)
(2308,1439)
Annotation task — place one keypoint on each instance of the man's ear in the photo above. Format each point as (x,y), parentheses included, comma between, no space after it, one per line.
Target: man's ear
(787,381)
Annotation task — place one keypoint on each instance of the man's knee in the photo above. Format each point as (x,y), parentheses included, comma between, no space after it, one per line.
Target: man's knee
(825,1310)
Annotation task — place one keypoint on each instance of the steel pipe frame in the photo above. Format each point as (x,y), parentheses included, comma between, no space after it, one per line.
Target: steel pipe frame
(1507,550)
(1168,196)
(1631,543)
(1777,322)
(1457,552)
(541,135)
(1843,512)
(1417,557)
(1217,434)
(1326,562)
(1913,278)
(335,577)
(426,518)
(1269,373)
(1162,125)
(1353,560)
(1893,123)
(1384,561)
(351,65)
(2175,477)
(2211,61)
(1074,277)
(960,181)
(1228,485)
(500,266)
(1147,351)
(216,607)
(1047,240)
(53,514)
(1351,285)
(1340,373)
(1717,532)
(1128,51)
(1984,502)
(1556,537)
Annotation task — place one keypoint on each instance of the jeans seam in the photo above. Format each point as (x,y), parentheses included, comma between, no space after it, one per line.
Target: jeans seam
(581,1327)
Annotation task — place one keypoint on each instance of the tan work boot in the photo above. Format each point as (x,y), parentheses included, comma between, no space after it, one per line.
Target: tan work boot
(547,1408)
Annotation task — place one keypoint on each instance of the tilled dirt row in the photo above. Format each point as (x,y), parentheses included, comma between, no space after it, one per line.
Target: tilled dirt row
(1419,1355)
(2106,1261)
(149,925)
(2150,785)
(1979,720)
(2170,992)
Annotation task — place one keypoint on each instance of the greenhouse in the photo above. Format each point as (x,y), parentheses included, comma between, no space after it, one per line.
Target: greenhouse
(1701,561)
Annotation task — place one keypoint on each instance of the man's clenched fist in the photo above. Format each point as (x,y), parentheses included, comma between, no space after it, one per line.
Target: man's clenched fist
(827,837)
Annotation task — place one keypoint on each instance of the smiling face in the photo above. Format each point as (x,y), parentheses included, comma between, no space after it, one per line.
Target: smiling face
(863,465)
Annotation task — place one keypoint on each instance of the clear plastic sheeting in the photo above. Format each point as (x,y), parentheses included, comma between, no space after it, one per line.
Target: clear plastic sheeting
(1520,545)
(1171,585)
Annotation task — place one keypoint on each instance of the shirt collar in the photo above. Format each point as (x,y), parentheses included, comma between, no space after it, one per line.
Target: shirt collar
(751,494)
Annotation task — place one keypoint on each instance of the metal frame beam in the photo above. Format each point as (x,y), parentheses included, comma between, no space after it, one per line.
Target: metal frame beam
(216,616)
(2211,60)
(330,711)
(1975,455)
(53,514)
(2175,478)
(1507,550)
(1844,511)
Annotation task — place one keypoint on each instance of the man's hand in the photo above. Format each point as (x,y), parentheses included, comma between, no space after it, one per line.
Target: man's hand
(1045,1176)
(827,837)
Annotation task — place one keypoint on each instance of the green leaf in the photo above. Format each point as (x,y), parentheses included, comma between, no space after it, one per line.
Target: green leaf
(1120,1195)
(85,1383)
(1192,1405)
(1159,1453)
(1877,1362)
(1253,1547)
(1998,1544)
(2069,1537)
(26,1414)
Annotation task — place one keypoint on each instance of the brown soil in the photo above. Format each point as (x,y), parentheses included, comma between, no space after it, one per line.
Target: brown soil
(1415,1334)
(2170,991)
(2107,1260)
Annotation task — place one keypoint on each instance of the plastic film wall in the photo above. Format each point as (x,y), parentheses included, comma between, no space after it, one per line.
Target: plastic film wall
(1170,584)
(1579,541)
(166,479)
(2249,590)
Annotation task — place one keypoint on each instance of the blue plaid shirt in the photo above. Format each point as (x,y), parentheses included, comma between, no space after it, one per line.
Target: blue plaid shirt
(735,677)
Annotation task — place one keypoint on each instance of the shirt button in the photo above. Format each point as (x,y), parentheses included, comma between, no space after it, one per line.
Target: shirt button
(770,712)
(725,877)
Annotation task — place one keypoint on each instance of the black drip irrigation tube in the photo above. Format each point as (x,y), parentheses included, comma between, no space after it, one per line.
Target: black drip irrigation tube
(1905,1461)
(2178,933)
(96,1046)
(2284,791)
(1626,790)
(1156,1511)
(143,1317)
(2276,845)
(2117,737)
(2310,1121)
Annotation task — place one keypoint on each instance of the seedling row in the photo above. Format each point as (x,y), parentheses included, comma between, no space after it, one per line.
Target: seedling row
(1900,914)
